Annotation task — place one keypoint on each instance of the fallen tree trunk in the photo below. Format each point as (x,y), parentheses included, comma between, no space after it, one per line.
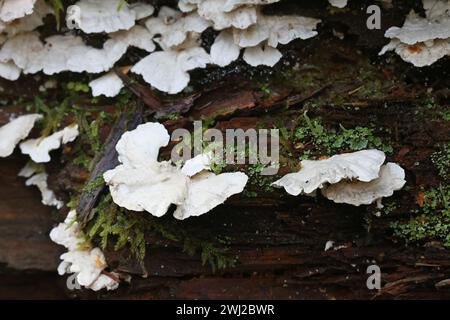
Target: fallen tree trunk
(279,241)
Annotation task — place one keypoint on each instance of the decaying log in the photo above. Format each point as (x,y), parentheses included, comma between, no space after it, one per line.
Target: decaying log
(108,160)
(279,240)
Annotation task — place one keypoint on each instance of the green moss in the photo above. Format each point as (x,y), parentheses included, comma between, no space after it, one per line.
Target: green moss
(111,223)
(441,160)
(79,87)
(431,222)
(118,228)
(53,115)
(328,142)
(256,182)
(94,184)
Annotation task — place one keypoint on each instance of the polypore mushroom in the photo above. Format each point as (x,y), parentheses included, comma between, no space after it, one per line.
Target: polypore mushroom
(392,178)
(15,131)
(108,85)
(206,191)
(37,177)
(9,70)
(39,149)
(14,9)
(172,28)
(48,196)
(213,10)
(361,165)
(262,55)
(422,41)
(338,3)
(88,263)
(224,50)
(59,53)
(168,70)
(92,16)
(141,183)
(276,30)
(261,39)
(137,36)
(28,22)
(420,54)
(69,53)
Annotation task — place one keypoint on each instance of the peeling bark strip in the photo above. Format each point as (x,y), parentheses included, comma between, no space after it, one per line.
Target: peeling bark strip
(108,160)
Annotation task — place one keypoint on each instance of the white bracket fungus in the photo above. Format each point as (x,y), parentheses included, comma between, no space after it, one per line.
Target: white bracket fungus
(15,131)
(9,71)
(69,53)
(262,55)
(178,34)
(392,178)
(422,41)
(338,3)
(87,263)
(261,39)
(14,9)
(37,177)
(39,149)
(224,50)
(108,85)
(353,178)
(93,16)
(420,54)
(276,30)
(48,196)
(141,183)
(29,22)
(362,165)
(168,70)
(172,28)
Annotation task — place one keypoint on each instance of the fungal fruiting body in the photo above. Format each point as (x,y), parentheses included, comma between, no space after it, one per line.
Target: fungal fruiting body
(142,183)
(352,178)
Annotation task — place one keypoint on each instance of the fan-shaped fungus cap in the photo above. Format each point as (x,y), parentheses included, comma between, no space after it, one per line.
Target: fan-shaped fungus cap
(92,16)
(48,196)
(28,22)
(39,149)
(392,178)
(338,3)
(88,263)
(172,28)
(241,18)
(417,29)
(14,9)
(14,131)
(207,190)
(141,183)
(224,50)
(59,53)
(420,54)
(108,85)
(361,165)
(276,30)
(66,233)
(168,70)
(262,55)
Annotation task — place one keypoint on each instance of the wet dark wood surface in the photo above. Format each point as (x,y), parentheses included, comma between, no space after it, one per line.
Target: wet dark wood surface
(279,240)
